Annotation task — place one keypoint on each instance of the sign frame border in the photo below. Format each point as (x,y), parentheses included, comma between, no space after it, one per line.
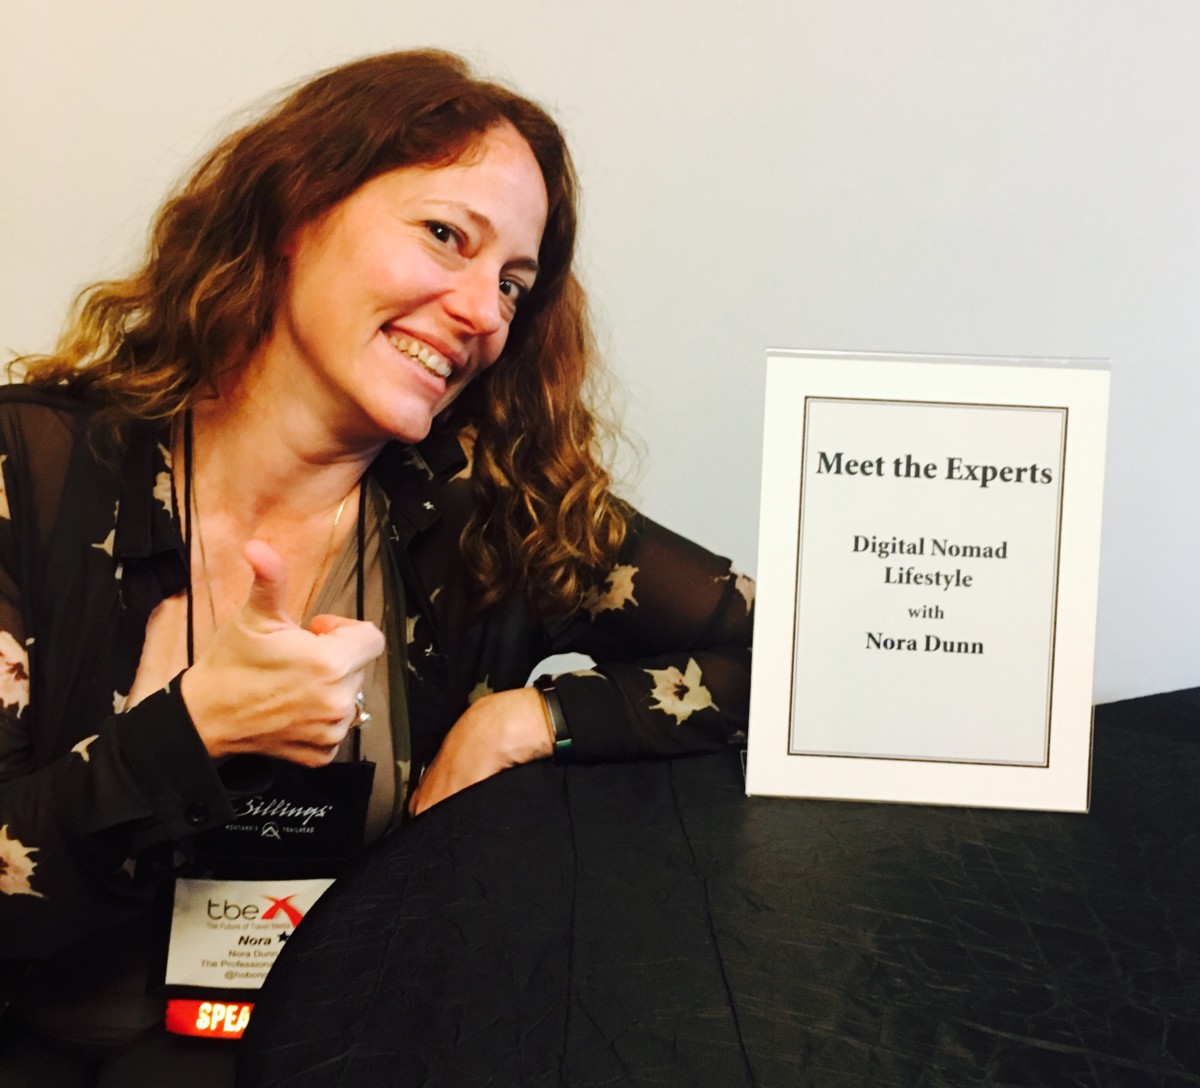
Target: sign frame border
(1080,386)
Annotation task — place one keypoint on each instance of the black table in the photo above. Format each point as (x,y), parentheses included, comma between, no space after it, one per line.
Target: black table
(647,924)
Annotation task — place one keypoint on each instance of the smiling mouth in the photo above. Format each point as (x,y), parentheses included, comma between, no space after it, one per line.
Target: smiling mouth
(422,353)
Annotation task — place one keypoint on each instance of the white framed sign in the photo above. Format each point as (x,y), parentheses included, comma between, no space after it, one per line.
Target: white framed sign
(928,563)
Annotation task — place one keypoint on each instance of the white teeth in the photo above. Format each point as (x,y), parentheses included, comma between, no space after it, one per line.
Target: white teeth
(426,356)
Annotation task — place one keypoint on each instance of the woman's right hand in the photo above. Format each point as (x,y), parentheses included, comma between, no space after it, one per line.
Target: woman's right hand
(266,685)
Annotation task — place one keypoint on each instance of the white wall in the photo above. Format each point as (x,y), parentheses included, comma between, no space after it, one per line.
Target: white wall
(962,176)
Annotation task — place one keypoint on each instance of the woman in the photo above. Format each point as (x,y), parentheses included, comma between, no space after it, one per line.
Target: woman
(323,462)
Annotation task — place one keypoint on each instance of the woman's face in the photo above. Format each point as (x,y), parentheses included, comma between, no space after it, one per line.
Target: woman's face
(402,293)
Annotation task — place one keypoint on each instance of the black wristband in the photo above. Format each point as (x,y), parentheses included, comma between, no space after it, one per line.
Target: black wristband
(558,722)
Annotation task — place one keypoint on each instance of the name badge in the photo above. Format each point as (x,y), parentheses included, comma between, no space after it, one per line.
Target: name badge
(253,881)
(225,934)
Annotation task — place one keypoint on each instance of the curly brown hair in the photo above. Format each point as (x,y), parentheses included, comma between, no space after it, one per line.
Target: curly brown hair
(150,345)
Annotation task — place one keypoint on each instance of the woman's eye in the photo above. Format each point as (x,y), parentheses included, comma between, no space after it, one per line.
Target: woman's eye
(512,290)
(443,233)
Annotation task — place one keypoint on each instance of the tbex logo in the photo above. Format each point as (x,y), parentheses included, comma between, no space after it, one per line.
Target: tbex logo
(225,911)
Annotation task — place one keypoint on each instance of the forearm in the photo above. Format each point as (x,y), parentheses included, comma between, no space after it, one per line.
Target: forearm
(672,637)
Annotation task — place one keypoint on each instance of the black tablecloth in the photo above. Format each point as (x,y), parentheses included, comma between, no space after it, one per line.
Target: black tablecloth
(647,924)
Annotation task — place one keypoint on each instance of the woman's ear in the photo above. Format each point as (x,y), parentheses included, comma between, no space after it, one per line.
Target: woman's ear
(289,242)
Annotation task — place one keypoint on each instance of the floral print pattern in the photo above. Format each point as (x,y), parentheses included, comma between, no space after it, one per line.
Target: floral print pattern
(680,694)
(616,592)
(14,673)
(106,545)
(410,642)
(81,749)
(164,490)
(413,459)
(16,868)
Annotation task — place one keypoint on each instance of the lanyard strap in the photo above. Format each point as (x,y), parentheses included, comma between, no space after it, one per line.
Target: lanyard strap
(186,517)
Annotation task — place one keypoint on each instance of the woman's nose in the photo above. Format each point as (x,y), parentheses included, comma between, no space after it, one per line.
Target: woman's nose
(475,301)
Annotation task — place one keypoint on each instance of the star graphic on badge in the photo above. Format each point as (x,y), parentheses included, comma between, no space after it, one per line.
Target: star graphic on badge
(283,937)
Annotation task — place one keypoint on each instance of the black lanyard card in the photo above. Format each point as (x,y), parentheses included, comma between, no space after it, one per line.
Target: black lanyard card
(309,821)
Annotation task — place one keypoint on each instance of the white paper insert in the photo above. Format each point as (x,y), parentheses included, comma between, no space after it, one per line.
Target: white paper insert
(226,934)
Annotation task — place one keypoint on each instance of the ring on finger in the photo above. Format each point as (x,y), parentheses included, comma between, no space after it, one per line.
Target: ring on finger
(361,717)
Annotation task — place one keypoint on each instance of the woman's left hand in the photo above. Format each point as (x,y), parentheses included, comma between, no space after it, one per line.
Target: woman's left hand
(497,731)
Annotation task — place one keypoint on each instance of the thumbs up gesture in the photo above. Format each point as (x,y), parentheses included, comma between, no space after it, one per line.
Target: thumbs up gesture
(264,684)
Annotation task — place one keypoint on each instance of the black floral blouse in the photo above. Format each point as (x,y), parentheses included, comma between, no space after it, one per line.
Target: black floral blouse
(93,798)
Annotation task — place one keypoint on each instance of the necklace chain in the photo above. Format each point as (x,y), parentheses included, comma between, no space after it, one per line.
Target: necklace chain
(312,592)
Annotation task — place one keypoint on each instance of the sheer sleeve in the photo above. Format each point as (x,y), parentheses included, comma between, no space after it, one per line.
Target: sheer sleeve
(670,632)
(80,800)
